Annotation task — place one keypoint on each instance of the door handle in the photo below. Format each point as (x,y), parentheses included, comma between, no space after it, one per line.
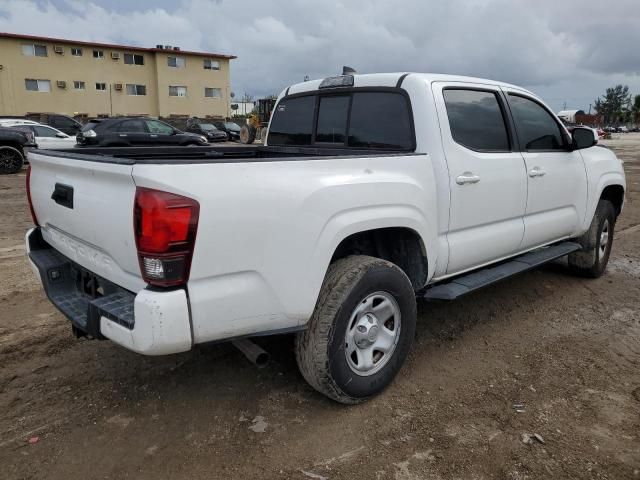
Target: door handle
(467,177)
(537,172)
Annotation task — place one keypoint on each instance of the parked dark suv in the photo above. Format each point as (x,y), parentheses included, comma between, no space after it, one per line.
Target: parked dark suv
(231,129)
(134,132)
(206,129)
(14,145)
(64,123)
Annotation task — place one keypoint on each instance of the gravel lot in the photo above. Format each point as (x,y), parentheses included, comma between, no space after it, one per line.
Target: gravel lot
(565,349)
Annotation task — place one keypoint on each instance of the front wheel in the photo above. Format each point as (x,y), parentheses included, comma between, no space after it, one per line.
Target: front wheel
(361,329)
(592,260)
(11,160)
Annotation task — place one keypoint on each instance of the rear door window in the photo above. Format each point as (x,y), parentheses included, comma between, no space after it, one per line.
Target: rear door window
(476,120)
(44,131)
(293,121)
(132,126)
(380,120)
(156,126)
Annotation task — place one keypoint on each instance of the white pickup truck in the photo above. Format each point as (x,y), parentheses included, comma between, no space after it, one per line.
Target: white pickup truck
(371,190)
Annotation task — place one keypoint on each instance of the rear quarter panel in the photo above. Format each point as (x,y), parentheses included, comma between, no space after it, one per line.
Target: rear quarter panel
(268,230)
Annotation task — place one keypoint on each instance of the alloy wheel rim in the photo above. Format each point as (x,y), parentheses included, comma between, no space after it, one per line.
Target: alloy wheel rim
(7,159)
(372,333)
(604,238)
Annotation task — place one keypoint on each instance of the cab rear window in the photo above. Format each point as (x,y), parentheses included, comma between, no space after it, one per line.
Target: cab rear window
(357,119)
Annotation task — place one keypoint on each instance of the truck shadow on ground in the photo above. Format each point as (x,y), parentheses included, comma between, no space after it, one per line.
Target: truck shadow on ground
(497,306)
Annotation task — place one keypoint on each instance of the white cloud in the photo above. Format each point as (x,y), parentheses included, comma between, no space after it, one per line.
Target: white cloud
(570,49)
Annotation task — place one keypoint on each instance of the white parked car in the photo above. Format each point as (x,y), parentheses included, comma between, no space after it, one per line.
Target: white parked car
(371,190)
(46,137)
(11,122)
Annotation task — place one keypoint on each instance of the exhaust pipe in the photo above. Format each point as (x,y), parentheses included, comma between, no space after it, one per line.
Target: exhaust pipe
(252,351)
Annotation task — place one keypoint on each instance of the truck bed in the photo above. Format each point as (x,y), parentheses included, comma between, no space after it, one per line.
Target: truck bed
(213,154)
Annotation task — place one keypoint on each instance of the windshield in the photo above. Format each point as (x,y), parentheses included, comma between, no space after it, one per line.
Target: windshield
(207,126)
(232,126)
(89,126)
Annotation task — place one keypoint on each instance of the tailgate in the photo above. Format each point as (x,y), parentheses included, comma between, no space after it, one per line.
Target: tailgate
(90,218)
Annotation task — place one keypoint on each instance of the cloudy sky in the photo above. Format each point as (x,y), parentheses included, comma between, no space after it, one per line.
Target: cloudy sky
(564,50)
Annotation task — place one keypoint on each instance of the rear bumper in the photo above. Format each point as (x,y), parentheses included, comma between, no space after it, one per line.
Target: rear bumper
(149,322)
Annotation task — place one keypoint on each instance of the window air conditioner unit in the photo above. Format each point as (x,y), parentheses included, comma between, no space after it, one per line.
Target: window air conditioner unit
(58,49)
(61,84)
(115,55)
(117,86)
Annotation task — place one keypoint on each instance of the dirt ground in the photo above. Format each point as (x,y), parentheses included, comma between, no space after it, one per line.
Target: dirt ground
(545,353)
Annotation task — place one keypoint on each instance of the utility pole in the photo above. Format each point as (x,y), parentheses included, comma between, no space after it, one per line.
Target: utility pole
(110,101)
(564,106)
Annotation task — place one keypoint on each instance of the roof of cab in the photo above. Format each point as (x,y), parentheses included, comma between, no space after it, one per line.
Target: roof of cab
(391,80)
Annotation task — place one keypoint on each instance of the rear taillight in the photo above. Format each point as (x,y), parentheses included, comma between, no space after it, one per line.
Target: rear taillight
(165,227)
(28,184)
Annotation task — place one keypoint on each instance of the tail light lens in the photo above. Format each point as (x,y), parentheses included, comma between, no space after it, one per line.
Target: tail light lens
(165,229)
(28,185)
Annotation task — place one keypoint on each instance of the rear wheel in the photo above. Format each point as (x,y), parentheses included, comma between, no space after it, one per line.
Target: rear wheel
(11,160)
(361,330)
(592,260)
(247,134)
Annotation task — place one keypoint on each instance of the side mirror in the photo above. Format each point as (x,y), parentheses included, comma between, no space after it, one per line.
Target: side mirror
(582,138)
(62,135)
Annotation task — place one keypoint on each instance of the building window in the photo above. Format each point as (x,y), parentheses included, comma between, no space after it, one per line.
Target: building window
(98,54)
(37,85)
(175,91)
(213,92)
(133,89)
(211,64)
(78,85)
(101,86)
(76,52)
(176,62)
(32,50)
(133,59)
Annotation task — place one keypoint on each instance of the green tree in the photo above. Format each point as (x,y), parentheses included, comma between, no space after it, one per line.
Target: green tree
(615,104)
(636,109)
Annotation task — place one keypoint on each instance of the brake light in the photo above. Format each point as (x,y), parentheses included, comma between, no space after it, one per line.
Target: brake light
(28,185)
(165,226)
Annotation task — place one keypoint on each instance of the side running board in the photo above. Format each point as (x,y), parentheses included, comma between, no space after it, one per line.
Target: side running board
(481,278)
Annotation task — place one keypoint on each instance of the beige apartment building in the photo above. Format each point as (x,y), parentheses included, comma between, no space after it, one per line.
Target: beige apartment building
(40,74)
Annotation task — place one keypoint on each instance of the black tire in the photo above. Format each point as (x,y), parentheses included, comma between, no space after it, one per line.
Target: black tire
(11,160)
(247,134)
(592,260)
(321,349)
